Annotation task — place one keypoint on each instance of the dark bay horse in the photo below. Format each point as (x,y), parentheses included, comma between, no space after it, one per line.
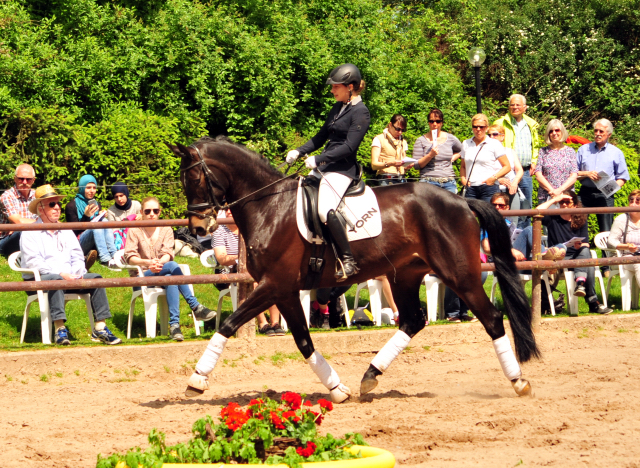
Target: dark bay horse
(425,230)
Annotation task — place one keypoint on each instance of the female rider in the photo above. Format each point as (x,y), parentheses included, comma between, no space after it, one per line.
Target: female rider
(345,127)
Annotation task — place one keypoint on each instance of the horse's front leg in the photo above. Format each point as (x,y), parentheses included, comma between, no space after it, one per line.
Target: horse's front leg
(292,311)
(258,301)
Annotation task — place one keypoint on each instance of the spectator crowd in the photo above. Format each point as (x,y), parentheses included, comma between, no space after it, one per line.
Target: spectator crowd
(498,165)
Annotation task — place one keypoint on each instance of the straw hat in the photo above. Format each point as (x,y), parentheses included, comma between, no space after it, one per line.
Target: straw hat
(43,192)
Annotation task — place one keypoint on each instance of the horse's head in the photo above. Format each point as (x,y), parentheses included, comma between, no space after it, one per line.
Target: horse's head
(202,188)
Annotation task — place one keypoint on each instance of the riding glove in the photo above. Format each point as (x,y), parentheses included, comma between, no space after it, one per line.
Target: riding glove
(292,156)
(311,162)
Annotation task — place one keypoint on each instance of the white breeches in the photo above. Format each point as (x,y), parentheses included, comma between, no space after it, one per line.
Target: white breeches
(332,187)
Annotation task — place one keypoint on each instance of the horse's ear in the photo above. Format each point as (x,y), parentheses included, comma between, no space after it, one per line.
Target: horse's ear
(180,150)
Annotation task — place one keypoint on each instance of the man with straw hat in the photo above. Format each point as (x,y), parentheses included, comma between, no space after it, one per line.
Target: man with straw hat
(57,255)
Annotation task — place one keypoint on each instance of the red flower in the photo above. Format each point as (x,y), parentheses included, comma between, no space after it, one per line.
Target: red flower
(292,399)
(308,451)
(275,419)
(308,403)
(230,409)
(233,416)
(257,402)
(317,417)
(291,414)
(325,404)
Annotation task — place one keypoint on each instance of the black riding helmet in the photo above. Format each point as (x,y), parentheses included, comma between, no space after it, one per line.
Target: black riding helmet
(345,74)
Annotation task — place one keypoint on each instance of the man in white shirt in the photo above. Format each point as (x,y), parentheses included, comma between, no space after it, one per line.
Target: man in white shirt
(57,255)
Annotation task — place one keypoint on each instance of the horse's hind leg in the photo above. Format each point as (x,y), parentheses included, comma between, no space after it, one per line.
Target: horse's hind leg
(291,309)
(406,293)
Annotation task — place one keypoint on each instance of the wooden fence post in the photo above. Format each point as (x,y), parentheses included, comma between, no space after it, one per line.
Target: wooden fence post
(536,275)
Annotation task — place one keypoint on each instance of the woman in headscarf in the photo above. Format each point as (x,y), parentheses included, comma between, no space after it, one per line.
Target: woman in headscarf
(123,206)
(83,208)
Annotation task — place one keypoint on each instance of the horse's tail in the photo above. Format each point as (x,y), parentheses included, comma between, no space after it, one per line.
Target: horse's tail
(513,295)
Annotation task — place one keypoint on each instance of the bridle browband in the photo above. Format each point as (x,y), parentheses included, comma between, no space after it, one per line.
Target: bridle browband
(212,182)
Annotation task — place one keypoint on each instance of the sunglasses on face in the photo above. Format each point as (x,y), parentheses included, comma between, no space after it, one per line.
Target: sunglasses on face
(494,134)
(435,121)
(53,204)
(633,201)
(500,206)
(565,202)
(26,179)
(149,210)
(479,127)
(555,130)
(399,129)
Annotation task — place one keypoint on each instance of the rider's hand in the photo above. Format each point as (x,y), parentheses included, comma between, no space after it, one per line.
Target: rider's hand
(310,162)
(292,156)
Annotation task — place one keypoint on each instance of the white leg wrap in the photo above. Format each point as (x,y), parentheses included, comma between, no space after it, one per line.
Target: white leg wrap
(323,370)
(391,350)
(211,355)
(507,359)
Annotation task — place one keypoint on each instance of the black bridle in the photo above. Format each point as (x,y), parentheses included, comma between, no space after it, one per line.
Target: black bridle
(213,182)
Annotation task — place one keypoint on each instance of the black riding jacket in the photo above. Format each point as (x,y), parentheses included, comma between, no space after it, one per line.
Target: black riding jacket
(343,135)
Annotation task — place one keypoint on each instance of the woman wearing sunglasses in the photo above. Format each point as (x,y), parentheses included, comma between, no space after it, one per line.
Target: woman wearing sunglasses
(557,168)
(484,162)
(388,150)
(435,157)
(84,207)
(562,228)
(152,249)
(625,233)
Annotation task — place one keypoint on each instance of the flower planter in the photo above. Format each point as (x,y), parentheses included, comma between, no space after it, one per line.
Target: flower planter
(372,457)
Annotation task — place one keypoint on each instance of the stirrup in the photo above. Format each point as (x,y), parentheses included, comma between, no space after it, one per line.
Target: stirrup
(341,272)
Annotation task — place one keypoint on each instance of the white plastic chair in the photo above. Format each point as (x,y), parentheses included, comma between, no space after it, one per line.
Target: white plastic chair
(525,279)
(435,297)
(46,324)
(375,299)
(208,260)
(154,300)
(628,285)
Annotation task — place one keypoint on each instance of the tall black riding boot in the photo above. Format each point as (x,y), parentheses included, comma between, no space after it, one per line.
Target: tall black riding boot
(339,234)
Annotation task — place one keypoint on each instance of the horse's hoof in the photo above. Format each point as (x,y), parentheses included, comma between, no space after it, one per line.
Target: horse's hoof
(196,385)
(367,385)
(522,387)
(340,393)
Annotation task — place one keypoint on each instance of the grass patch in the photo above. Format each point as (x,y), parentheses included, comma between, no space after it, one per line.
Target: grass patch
(584,333)
(167,369)
(44,378)
(9,378)
(622,330)
(59,374)
(122,379)
(280,358)
(427,348)
(440,350)
(76,372)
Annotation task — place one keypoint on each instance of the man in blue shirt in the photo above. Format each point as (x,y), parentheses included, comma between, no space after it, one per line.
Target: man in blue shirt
(600,155)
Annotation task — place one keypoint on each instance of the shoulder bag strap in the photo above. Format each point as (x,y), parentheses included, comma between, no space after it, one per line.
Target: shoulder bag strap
(626,227)
(474,163)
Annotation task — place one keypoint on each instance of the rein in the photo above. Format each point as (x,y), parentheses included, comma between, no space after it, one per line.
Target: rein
(212,181)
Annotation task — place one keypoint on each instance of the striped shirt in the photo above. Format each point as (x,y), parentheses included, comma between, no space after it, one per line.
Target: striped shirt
(523,142)
(13,203)
(223,237)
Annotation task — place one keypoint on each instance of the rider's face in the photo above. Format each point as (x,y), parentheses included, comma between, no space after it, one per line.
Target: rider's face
(340,92)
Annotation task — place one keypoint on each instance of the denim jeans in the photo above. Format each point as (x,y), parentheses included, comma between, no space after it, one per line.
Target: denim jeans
(449,186)
(482,192)
(100,240)
(383,182)
(526,185)
(10,244)
(524,243)
(454,307)
(586,272)
(594,198)
(174,291)
(99,301)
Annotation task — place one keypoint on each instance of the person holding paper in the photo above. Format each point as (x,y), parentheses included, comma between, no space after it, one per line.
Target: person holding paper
(563,231)
(557,168)
(625,234)
(435,152)
(484,162)
(594,161)
(83,208)
(388,150)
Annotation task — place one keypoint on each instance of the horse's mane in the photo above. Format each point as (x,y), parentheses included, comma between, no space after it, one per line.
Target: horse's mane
(259,159)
